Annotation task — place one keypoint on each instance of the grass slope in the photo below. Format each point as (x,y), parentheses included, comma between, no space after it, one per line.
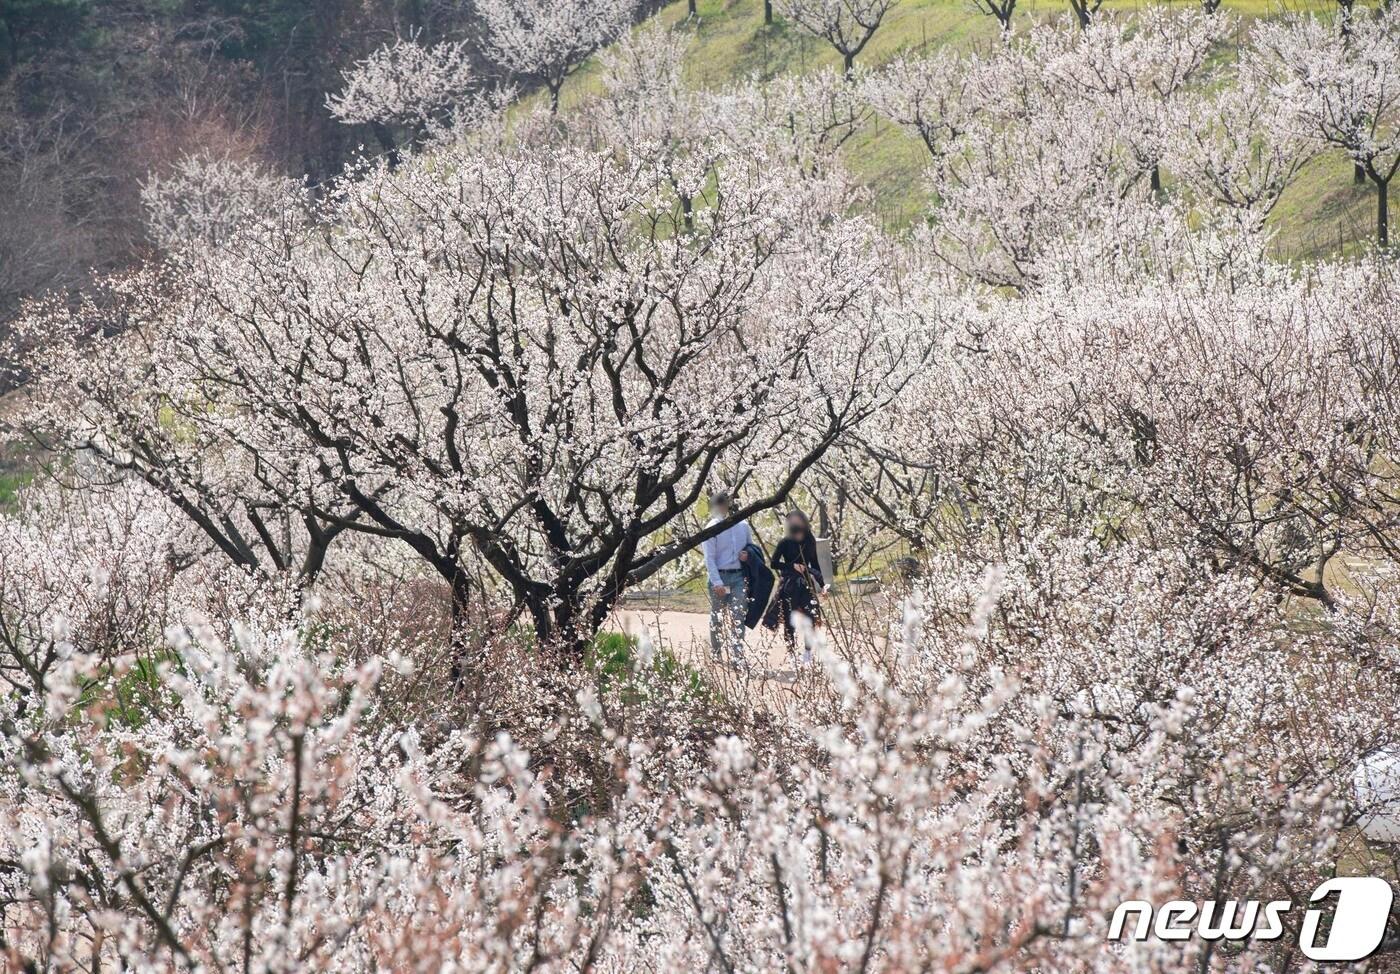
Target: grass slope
(1320,214)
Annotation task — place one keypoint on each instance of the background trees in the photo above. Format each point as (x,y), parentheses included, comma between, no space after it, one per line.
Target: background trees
(1345,86)
(846,25)
(1140,70)
(1000,9)
(935,96)
(548,39)
(1242,147)
(405,85)
(97,97)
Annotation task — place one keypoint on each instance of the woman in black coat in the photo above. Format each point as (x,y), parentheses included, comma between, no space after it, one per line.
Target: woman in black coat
(799,574)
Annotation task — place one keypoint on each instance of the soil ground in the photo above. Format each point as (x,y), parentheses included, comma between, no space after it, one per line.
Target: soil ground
(685,631)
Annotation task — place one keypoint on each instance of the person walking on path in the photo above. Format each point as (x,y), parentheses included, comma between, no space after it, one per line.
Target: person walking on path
(799,575)
(724,568)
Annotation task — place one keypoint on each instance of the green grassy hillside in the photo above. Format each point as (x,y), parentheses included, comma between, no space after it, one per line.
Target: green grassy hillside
(1321,212)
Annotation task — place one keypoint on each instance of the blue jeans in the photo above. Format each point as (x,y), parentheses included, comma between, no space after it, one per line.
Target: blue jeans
(727,616)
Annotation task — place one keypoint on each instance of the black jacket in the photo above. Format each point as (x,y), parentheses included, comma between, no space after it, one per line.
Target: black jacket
(789,554)
(760,584)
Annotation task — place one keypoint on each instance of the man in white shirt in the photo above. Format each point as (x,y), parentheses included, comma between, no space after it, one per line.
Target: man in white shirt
(729,595)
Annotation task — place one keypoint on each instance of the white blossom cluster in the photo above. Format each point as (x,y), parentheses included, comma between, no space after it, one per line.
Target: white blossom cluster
(1025,757)
(405,83)
(1081,725)
(204,199)
(548,39)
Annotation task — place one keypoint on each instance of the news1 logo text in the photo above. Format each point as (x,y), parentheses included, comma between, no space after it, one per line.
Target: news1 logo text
(1358,919)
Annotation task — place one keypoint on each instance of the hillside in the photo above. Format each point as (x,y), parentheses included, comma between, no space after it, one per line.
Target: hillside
(1322,212)
(96,96)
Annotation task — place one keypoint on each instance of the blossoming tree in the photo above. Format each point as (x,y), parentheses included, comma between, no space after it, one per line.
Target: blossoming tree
(405,86)
(548,39)
(1346,89)
(847,25)
(526,357)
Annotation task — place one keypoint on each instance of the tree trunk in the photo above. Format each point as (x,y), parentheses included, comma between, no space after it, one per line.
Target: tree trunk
(1157,179)
(463,655)
(691,8)
(564,625)
(386,141)
(1383,212)
(768,11)
(850,63)
(566,616)
(569,639)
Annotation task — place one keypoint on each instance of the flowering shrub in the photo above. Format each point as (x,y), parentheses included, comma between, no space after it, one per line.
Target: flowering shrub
(1043,740)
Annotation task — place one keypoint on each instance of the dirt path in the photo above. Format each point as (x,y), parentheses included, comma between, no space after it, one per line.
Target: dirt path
(687,634)
(852,620)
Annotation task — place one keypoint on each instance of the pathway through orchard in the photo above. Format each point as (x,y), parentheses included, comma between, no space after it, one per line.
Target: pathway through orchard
(687,633)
